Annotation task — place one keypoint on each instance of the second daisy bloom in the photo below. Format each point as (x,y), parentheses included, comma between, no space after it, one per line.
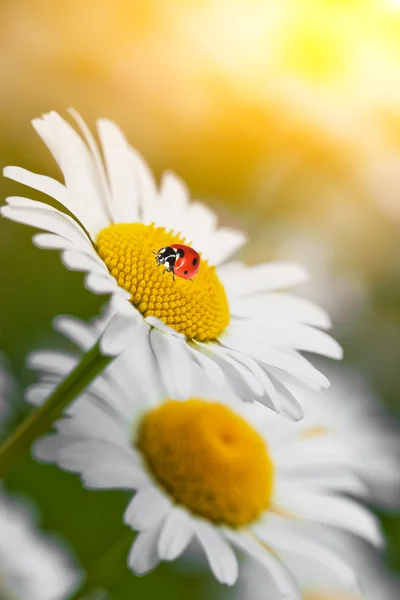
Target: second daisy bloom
(204,466)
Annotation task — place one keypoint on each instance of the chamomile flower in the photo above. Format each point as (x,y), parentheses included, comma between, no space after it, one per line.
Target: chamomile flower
(32,566)
(205,466)
(229,319)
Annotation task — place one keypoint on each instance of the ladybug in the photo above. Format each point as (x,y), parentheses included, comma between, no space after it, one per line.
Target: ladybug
(179,260)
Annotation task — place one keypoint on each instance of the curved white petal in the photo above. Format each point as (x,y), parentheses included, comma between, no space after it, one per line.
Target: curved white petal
(293,365)
(75,330)
(223,243)
(148,195)
(221,558)
(79,261)
(262,278)
(282,577)
(102,284)
(50,241)
(41,183)
(173,203)
(279,307)
(96,157)
(213,371)
(46,449)
(37,393)
(143,556)
(176,534)
(288,335)
(201,224)
(174,363)
(292,542)
(42,216)
(333,510)
(119,333)
(147,508)
(120,171)
(79,171)
(248,376)
(57,363)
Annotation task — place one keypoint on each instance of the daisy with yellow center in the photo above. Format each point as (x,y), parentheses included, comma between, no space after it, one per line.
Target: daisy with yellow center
(229,319)
(204,466)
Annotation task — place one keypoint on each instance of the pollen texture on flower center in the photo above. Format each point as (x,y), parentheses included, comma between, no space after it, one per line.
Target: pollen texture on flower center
(208,459)
(199,308)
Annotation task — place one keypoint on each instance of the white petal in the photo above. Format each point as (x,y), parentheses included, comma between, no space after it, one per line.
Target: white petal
(80,174)
(290,541)
(176,534)
(147,508)
(213,371)
(57,363)
(263,278)
(223,244)
(251,381)
(37,393)
(313,451)
(97,161)
(221,558)
(202,222)
(44,217)
(50,241)
(174,198)
(288,335)
(291,364)
(117,476)
(45,131)
(279,308)
(174,362)
(119,333)
(42,183)
(101,284)
(148,195)
(46,449)
(79,261)
(262,377)
(158,324)
(75,330)
(281,575)
(101,465)
(322,481)
(121,172)
(143,556)
(332,510)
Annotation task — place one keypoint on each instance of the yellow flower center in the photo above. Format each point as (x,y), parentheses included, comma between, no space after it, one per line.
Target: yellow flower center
(208,459)
(198,308)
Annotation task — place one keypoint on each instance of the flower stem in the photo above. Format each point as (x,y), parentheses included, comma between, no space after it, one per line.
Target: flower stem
(41,419)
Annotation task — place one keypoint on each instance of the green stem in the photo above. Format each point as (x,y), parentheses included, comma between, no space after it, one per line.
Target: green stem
(41,419)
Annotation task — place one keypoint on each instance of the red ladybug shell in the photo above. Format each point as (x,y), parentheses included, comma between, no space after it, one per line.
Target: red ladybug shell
(188,265)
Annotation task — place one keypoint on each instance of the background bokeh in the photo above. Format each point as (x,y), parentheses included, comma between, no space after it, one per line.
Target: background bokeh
(283,116)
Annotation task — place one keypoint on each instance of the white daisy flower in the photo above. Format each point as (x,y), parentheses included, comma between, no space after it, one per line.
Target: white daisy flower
(32,566)
(229,319)
(206,466)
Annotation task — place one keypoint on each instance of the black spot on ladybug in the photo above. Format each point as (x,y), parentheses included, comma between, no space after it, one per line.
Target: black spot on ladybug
(185,272)
(194,262)
(180,253)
